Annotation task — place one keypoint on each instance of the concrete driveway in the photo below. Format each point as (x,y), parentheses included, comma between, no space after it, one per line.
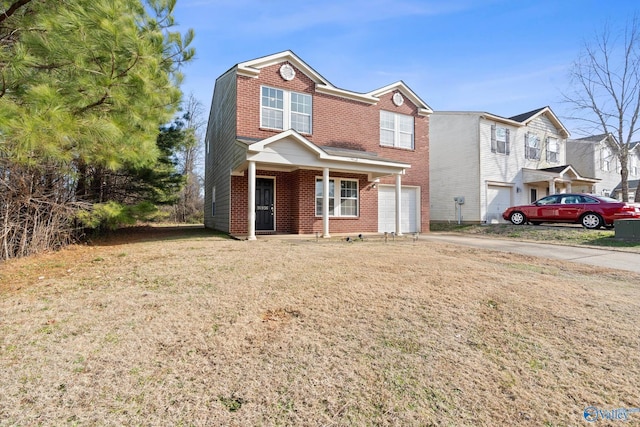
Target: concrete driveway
(610,258)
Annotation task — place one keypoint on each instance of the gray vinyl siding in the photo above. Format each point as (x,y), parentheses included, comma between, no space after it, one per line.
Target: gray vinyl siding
(220,150)
(454,165)
(581,155)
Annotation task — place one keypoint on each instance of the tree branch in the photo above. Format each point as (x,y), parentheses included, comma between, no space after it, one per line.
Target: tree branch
(12,9)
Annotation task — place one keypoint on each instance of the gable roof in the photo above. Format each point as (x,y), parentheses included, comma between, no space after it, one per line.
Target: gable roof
(538,175)
(593,138)
(289,151)
(525,118)
(632,185)
(253,67)
(561,169)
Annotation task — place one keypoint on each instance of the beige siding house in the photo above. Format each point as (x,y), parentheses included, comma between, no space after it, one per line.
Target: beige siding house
(596,156)
(493,162)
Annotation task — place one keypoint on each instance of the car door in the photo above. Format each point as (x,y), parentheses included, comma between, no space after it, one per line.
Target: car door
(545,209)
(570,208)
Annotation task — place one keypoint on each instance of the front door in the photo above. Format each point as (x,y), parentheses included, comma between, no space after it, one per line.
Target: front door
(264,204)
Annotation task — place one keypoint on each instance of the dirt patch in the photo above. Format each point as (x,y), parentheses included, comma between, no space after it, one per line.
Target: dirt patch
(198,329)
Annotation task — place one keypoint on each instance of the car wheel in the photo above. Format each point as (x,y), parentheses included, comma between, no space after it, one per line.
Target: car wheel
(517,218)
(591,221)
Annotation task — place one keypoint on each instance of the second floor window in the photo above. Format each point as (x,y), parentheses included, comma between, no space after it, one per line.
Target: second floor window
(553,150)
(396,130)
(633,165)
(499,139)
(605,159)
(531,146)
(281,109)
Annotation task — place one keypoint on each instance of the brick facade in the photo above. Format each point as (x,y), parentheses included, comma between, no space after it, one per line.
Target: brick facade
(336,122)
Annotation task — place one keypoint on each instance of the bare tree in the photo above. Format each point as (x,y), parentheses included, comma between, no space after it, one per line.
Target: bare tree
(606,89)
(190,205)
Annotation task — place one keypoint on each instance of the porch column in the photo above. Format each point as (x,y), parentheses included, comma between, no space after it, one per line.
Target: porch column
(552,186)
(251,208)
(398,204)
(325,203)
(568,187)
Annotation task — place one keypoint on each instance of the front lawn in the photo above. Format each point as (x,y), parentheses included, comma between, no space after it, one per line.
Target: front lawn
(193,328)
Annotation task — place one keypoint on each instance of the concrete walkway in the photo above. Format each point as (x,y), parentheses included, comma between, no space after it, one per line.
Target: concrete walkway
(610,258)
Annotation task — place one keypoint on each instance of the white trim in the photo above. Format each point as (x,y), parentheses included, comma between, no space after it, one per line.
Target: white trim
(553,118)
(354,96)
(322,155)
(423,108)
(287,111)
(397,133)
(251,202)
(252,69)
(337,197)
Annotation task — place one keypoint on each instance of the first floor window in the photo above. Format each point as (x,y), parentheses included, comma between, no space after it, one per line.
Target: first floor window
(343,202)
(396,130)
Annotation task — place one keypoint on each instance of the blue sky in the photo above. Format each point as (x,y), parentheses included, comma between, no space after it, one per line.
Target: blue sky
(505,57)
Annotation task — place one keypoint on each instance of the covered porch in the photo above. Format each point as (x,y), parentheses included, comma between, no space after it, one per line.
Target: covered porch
(287,184)
(560,179)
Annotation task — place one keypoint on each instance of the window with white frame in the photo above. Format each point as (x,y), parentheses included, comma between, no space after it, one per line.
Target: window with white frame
(396,130)
(633,165)
(281,109)
(605,159)
(553,150)
(344,202)
(499,139)
(531,146)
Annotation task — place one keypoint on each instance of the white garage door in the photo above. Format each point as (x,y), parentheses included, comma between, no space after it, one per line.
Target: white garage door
(498,199)
(387,209)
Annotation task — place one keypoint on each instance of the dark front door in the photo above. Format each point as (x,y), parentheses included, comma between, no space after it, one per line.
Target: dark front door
(264,204)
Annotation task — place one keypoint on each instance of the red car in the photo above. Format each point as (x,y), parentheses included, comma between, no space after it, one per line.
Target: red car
(587,209)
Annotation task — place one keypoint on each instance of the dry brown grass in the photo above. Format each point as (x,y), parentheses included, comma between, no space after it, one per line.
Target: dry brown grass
(195,329)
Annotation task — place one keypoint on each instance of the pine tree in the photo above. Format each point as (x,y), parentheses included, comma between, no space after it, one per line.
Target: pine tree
(84,88)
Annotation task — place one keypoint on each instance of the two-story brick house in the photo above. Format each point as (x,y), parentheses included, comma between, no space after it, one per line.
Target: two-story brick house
(494,162)
(288,152)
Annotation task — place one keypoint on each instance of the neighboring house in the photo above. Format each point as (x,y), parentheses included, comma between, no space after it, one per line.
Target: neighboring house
(634,175)
(596,156)
(633,186)
(495,162)
(288,152)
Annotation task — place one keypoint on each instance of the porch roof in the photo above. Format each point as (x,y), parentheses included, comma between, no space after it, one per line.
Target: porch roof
(564,173)
(289,151)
